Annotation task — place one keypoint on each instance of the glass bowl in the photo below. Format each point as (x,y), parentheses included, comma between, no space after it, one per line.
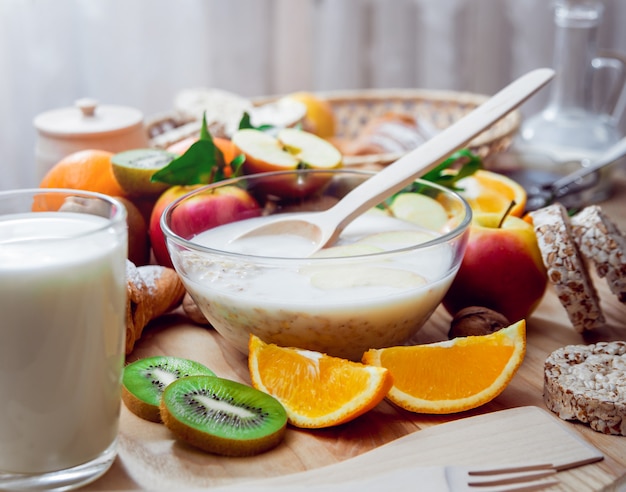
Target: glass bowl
(375,289)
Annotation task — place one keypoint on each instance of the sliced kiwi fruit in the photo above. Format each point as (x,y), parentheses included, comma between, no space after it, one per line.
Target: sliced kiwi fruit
(134,168)
(144,381)
(222,416)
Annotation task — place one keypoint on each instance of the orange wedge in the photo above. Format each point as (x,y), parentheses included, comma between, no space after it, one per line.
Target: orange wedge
(491,192)
(454,375)
(317,390)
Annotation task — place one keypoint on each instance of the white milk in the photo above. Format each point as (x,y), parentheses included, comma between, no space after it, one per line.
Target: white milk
(62,307)
(340,306)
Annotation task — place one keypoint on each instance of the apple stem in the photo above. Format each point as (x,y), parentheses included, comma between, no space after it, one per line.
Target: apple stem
(506,213)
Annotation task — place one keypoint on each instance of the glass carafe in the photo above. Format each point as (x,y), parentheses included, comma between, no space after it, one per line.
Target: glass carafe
(579,121)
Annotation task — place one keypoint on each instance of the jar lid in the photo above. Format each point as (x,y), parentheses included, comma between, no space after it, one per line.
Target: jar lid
(87,117)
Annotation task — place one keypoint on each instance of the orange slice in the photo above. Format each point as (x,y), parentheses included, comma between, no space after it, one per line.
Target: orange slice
(454,375)
(491,192)
(317,390)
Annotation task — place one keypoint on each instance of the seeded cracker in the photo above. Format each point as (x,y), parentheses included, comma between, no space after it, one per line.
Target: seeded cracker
(588,383)
(600,240)
(566,268)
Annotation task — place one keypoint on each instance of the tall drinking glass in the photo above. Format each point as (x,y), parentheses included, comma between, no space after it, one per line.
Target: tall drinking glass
(62,330)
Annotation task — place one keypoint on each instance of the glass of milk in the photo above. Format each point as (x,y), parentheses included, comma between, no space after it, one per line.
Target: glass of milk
(62,308)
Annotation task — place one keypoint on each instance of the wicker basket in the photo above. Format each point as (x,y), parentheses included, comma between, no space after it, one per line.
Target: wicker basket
(433,109)
(353,109)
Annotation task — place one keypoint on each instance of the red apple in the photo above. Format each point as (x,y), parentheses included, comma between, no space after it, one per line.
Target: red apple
(203,211)
(502,269)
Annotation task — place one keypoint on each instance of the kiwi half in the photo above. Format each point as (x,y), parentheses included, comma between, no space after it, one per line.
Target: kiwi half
(222,416)
(144,381)
(134,168)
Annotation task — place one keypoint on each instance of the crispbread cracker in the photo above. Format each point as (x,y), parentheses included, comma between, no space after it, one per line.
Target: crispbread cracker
(587,383)
(601,241)
(567,269)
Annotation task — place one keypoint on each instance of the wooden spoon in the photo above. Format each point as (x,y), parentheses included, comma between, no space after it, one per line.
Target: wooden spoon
(323,228)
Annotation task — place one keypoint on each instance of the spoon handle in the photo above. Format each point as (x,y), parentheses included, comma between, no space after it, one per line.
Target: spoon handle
(408,168)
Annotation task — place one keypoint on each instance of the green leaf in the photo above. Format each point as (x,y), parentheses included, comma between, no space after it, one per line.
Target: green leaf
(195,166)
(236,164)
(246,123)
(202,163)
(469,164)
(466,164)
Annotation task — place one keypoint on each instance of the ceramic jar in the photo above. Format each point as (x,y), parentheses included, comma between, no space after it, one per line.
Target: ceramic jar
(86,125)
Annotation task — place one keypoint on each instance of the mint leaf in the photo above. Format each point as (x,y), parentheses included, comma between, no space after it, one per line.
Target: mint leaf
(466,162)
(246,123)
(202,163)
(470,163)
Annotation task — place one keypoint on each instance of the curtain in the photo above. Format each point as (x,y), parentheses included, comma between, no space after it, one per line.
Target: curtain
(140,53)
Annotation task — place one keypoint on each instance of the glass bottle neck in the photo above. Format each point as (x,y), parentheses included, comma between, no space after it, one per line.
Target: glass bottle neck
(575,47)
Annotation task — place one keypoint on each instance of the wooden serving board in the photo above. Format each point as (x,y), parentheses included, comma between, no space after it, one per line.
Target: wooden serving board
(151,458)
(519,435)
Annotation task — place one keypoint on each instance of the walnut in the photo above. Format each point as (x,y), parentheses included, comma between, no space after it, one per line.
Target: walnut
(476,320)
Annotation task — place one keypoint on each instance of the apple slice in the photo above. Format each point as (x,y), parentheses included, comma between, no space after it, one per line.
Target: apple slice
(263,152)
(290,149)
(421,210)
(346,277)
(391,240)
(354,249)
(311,150)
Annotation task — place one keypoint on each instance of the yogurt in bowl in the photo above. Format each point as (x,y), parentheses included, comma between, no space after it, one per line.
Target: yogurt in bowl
(376,287)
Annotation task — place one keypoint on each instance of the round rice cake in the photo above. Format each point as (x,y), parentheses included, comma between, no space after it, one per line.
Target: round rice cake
(600,240)
(566,267)
(588,383)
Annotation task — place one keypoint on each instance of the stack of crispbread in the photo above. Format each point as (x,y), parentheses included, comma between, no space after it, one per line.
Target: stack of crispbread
(567,246)
(584,382)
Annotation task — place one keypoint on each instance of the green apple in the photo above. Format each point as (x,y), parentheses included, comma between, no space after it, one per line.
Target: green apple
(502,268)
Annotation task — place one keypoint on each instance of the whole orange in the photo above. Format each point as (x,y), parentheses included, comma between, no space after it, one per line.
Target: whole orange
(88,170)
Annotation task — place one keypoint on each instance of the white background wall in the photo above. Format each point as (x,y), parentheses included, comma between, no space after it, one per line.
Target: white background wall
(142,52)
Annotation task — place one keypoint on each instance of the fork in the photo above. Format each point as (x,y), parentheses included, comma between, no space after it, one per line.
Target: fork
(524,478)
(428,478)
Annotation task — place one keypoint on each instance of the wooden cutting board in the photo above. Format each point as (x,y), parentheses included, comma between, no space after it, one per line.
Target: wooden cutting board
(151,459)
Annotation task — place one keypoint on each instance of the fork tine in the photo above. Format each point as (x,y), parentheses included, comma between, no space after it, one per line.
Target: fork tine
(508,478)
(500,479)
(528,487)
(511,469)
(511,478)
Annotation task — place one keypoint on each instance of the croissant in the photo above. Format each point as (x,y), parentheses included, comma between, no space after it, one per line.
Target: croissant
(152,290)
